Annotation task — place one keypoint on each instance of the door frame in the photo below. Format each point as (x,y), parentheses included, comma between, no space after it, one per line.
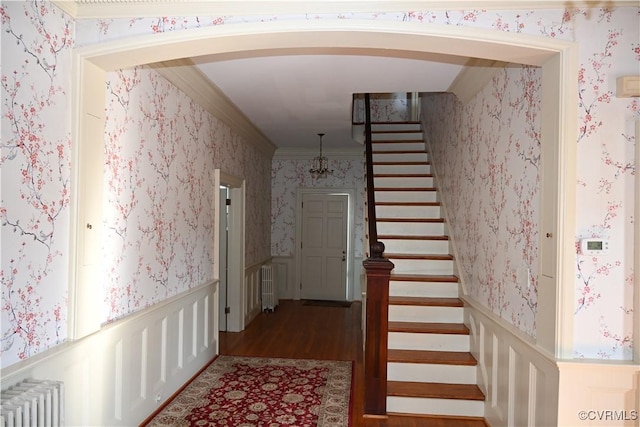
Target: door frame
(235,253)
(350,193)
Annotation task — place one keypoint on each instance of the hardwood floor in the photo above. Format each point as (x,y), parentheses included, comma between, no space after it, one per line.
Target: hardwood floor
(295,330)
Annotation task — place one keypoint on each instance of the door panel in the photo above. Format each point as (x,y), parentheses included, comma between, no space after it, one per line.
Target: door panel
(324,243)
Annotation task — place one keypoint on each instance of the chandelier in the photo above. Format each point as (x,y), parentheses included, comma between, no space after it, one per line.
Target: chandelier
(320,164)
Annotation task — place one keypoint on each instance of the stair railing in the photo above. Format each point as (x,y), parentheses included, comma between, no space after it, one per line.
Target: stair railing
(378,270)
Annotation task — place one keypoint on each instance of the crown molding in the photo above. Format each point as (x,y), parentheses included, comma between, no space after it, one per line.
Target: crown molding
(94,9)
(290,153)
(187,77)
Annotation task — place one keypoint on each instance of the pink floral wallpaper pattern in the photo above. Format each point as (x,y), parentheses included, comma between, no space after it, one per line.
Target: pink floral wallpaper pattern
(36,44)
(487,156)
(37,39)
(289,175)
(161,153)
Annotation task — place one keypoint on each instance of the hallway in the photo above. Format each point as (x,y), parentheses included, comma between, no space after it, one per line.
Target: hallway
(295,330)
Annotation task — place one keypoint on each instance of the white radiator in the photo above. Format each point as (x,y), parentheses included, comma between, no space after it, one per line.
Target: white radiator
(269,288)
(33,403)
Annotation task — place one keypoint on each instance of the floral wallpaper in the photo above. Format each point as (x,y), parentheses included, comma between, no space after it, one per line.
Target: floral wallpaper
(487,156)
(35,159)
(161,153)
(288,175)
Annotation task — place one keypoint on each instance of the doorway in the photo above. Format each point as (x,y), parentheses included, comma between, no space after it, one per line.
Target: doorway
(229,251)
(223,260)
(323,252)
(324,244)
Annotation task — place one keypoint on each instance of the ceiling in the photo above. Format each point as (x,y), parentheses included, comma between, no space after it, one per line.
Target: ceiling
(292,98)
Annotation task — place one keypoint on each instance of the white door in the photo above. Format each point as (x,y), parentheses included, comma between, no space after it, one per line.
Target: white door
(224,261)
(324,247)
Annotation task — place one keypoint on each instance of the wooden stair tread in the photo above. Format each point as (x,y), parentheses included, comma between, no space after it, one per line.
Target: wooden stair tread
(396,419)
(396,130)
(408,203)
(432,357)
(403,175)
(400,163)
(429,328)
(410,219)
(405,189)
(439,257)
(403,237)
(424,278)
(426,301)
(434,390)
(398,152)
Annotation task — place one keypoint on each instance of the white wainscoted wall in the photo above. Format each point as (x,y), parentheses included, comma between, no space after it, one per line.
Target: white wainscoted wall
(121,374)
(520,383)
(525,386)
(284,271)
(252,292)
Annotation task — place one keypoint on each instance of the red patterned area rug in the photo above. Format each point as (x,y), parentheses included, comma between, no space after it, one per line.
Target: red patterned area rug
(250,391)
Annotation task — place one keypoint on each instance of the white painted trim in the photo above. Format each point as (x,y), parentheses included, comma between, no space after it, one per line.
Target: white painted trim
(188,78)
(350,192)
(162,346)
(520,380)
(284,271)
(236,251)
(596,386)
(554,329)
(636,264)
(85,9)
(558,59)
(402,39)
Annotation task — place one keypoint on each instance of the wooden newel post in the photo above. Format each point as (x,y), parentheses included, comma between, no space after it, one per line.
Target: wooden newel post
(378,270)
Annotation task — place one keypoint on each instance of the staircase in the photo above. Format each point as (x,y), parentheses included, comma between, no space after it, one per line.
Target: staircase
(430,370)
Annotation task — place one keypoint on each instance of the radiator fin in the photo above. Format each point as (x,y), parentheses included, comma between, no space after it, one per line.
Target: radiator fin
(33,403)
(269,288)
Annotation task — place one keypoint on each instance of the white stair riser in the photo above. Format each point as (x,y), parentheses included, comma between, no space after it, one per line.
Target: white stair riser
(407,169)
(404,182)
(396,136)
(413,313)
(422,266)
(418,247)
(424,289)
(405,196)
(432,342)
(453,407)
(408,211)
(395,146)
(421,247)
(396,126)
(400,157)
(411,228)
(433,373)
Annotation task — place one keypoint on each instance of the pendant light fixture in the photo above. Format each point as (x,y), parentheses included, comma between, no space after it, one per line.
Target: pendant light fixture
(320,164)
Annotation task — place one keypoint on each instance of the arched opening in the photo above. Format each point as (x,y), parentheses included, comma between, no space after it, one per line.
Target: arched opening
(406,40)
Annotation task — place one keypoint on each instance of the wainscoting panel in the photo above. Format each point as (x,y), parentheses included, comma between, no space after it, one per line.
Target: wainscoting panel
(599,393)
(520,382)
(284,272)
(252,289)
(121,374)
